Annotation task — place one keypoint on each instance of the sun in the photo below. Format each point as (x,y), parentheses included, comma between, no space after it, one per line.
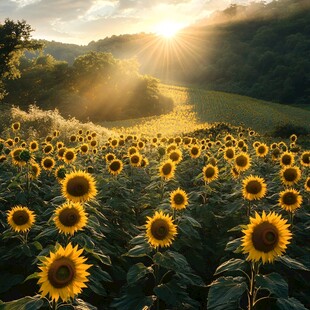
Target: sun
(168,29)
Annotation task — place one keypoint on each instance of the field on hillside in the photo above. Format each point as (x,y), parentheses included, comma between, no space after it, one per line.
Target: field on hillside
(179,211)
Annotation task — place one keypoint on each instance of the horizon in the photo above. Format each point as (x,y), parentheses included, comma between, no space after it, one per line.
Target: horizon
(80,22)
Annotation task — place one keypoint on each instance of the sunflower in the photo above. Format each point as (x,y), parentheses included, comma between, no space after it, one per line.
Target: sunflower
(16,126)
(229,153)
(84,148)
(48,163)
(210,173)
(20,218)
(178,199)
(175,156)
(293,137)
(109,157)
(240,144)
(307,184)
(93,143)
(287,159)
(33,146)
(132,150)
(70,217)
(69,156)
(242,162)
(171,147)
(195,151)
(34,170)
(114,143)
(266,237)
(290,200)
(16,158)
(2,158)
(305,159)
(253,188)
(48,139)
(48,148)
(275,154)
(234,173)
(60,173)
(262,150)
(63,274)
(290,175)
(73,138)
(167,169)
(160,230)
(135,159)
(115,167)
(144,162)
(79,186)
(9,142)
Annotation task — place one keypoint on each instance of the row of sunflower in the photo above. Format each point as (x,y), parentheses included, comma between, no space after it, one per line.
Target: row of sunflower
(131,222)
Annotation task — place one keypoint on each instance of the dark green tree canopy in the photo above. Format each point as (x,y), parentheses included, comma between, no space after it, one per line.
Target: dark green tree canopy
(15,39)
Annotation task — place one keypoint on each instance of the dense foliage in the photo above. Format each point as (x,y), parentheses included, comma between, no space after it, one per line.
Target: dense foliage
(96,86)
(15,39)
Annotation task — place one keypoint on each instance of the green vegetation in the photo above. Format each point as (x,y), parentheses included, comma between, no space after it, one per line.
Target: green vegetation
(95,87)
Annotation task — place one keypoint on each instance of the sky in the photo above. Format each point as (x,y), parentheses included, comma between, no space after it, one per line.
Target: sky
(82,21)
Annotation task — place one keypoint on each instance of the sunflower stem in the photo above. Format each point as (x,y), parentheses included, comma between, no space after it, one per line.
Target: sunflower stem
(291,216)
(251,294)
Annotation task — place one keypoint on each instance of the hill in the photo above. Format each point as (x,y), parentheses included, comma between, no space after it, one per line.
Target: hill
(260,50)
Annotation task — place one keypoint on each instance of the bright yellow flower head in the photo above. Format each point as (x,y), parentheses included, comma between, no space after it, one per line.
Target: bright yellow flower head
(63,274)
(253,188)
(266,237)
(20,218)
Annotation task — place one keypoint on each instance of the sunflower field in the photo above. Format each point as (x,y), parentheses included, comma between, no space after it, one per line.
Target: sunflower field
(210,217)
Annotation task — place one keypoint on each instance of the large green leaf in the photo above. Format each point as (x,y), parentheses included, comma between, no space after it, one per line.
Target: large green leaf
(274,283)
(137,272)
(231,265)
(25,303)
(225,293)
(139,250)
(292,263)
(290,304)
(172,260)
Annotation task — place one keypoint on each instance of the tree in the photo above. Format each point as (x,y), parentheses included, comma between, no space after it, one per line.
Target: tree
(15,39)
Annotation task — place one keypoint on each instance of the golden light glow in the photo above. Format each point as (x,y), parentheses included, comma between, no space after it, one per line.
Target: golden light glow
(168,29)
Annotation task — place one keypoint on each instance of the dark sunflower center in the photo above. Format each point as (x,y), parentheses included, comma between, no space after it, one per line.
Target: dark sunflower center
(160,229)
(134,159)
(253,187)
(48,163)
(69,155)
(115,166)
(306,158)
(286,159)
(194,150)
(290,174)
(69,217)
(167,169)
(20,217)
(61,152)
(110,157)
(241,161)
(209,172)
(276,152)
(308,183)
(84,148)
(47,149)
(61,272)
(174,156)
(265,237)
(179,199)
(78,186)
(16,155)
(33,146)
(261,149)
(230,153)
(289,198)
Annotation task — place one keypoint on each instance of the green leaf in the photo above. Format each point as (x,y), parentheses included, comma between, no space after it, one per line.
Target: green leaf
(225,293)
(231,265)
(137,272)
(133,301)
(138,251)
(234,245)
(172,261)
(292,263)
(8,280)
(25,303)
(290,304)
(274,283)
(35,275)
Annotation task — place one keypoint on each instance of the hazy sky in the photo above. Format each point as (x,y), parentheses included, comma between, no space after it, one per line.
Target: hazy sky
(81,21)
